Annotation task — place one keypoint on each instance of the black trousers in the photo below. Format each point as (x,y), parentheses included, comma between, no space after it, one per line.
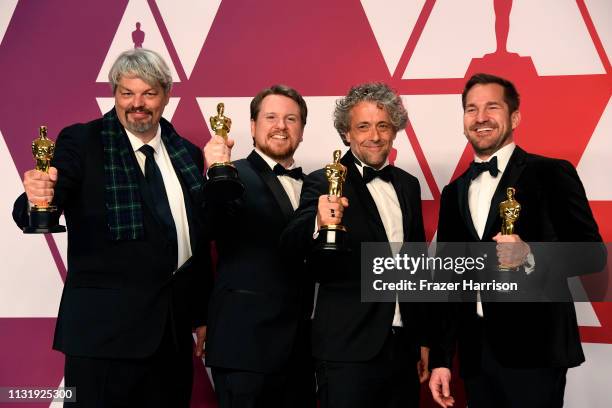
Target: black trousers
(502,387)
(292,387)
(389,380)
(161,380)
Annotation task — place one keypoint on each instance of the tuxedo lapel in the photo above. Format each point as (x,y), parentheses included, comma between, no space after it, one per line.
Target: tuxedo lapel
(463,185)
(192,221)
(355,182)
(275,186)
(402,197)
(513,170)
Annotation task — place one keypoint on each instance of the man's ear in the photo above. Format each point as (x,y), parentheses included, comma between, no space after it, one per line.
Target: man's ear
(347,138)
(515,119)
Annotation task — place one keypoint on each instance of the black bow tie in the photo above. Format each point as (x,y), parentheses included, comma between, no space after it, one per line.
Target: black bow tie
(490,166)
(295,173)
(370,174)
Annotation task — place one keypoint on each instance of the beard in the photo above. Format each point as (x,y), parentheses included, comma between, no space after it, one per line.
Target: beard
(373,159)
(487,147)
(139,126)
(276,152)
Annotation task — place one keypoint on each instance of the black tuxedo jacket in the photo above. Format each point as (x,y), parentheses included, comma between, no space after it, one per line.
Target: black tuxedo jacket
(261,302)
(344,328)
(119,296)
(554,208)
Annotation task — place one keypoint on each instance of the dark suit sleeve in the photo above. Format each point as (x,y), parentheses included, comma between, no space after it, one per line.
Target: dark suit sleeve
(424,311)
(444,317)
(581,250)
(573,216)
(20,211)
(297,238)
(202,267)
(203,283)
(447,218)
(68,161)
(221,216)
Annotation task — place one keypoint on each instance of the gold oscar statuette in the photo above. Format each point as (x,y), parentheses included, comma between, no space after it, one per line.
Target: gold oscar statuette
(44,216)
(220,123)
(509,211)
(222,182)
(332,237)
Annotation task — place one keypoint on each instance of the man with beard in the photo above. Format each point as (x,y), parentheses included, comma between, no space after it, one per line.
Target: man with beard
(138,265)
(512,354)
(258,337)
(367,354)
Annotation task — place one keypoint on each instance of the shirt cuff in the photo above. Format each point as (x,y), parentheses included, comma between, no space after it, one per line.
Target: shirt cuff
(529,264)
(315,234)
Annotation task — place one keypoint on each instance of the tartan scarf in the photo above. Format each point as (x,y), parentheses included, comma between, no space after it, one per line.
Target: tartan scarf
(123,198)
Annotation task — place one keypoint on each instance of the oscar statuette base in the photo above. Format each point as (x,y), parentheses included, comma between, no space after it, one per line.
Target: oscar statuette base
(332,238)
(43,220)
(223,183)
(507,275)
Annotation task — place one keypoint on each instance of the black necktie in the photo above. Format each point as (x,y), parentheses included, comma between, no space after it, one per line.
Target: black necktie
(295,173)
(490,166)
(370,174)
(158,191)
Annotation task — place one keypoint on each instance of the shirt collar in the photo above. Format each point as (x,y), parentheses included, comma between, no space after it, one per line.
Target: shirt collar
(503,156)
(271,162)
(136,143)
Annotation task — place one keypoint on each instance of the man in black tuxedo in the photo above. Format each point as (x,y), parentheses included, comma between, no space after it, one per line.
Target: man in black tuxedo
(138,266)
(366,353)
(512,354)
(259,315)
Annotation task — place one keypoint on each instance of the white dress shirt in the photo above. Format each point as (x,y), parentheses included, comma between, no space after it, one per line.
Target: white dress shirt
(292,187)
(173,187)
(483,187)
(390,212)
(481,193)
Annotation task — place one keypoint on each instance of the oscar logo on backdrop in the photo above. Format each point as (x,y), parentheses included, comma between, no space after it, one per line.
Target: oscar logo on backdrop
(501,62)
(138,36)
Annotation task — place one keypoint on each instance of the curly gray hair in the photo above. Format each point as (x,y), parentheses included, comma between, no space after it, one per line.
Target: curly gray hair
(141,63)
(376,92)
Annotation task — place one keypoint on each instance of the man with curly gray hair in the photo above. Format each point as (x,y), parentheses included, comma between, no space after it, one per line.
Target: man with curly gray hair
(377,93)
(367,354)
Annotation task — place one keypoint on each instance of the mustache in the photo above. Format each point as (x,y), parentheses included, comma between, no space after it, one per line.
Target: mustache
(278,132)
(139,110)
(483,124)
(379,142)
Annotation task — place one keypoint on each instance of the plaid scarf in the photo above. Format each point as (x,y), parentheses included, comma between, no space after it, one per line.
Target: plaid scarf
(123,198)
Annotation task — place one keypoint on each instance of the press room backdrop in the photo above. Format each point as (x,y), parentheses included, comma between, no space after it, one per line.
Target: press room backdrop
(55,55)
